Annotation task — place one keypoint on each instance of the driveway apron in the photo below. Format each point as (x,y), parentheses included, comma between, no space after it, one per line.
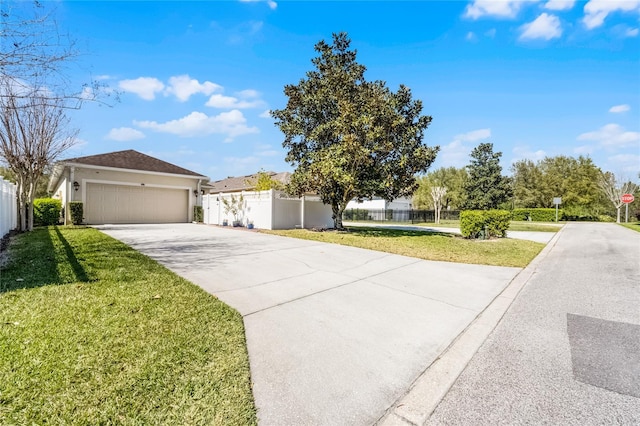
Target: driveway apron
(335,334)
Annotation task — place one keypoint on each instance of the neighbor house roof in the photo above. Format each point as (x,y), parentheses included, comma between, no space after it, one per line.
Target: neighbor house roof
(133,160)
(244,183)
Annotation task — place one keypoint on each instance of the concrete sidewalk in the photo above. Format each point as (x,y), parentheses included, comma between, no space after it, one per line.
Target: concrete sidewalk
(335,334)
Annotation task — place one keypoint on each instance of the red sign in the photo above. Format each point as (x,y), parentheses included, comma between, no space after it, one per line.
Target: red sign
(627,198)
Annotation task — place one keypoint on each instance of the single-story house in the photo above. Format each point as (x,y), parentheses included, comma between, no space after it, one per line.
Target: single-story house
(244,183)
(377,203)
(127,187)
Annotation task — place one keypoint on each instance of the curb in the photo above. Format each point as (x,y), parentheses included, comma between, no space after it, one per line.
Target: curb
(416,406)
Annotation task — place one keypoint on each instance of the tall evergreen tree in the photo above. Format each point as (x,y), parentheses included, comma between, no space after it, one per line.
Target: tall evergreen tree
(486,188)
(350,138)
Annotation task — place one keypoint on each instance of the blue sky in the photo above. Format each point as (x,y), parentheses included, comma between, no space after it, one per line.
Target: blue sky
(197,79)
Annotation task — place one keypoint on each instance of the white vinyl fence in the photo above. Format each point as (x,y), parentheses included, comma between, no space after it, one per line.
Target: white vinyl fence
(268,210)
(8,207)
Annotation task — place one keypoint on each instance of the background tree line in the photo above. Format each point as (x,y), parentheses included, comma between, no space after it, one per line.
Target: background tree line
(531,185)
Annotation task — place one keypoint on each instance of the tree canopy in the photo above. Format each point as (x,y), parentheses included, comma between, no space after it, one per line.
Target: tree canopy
(451,178)
(575,180)
(350,138)
(486,188)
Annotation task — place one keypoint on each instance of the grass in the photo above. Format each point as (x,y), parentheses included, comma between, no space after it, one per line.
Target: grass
(632,225)
(93,332)
(514,226)
(428,245)
(534,226)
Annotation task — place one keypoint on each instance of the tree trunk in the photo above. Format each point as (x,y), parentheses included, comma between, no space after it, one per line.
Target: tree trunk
(618,214)
(337,215)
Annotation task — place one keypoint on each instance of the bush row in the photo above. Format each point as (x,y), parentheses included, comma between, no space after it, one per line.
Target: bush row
(76,210)
(484,223)
(536,215)
(46,211)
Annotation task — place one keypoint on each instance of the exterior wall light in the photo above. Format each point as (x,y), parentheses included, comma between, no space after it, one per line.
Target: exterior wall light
(76,185)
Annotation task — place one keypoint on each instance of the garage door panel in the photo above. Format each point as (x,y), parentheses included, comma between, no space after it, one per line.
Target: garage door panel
(108,203)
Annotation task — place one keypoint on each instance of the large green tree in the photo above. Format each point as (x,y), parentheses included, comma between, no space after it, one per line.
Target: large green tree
(486,188)
(349,138)
(575,180)
(451,178)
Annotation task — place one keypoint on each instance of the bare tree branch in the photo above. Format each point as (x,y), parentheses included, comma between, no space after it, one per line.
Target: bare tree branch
(438,193)
(34,132)
(614,190)
(35,58)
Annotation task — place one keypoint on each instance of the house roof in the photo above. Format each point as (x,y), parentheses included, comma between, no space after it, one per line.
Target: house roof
(133,160)
(244,183)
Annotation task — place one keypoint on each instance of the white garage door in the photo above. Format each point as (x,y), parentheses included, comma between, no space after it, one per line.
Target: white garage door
(135,204)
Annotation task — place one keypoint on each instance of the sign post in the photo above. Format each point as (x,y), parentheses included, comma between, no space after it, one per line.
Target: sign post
(557,201)
(626,199)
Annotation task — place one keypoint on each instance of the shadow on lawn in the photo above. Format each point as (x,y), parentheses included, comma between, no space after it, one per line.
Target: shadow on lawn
(392,232)
(35,261)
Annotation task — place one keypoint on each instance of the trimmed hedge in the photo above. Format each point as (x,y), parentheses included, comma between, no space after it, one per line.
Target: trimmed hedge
(76,210)
(484,223)
(356,214)
(536,215)
(46,211)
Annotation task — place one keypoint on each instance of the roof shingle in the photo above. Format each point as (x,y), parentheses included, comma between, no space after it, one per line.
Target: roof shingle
(244,183)
(133,160)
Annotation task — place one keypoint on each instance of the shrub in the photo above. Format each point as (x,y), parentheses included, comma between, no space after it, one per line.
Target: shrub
(484,223)
(356,214)
(536,215)
(76,210)
(198,214)
(471,223)
(578,213)
(46,211)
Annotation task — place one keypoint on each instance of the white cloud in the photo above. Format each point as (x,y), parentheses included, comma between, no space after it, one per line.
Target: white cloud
(145,87)
(230,102)
(265,114)
(494,8)
(182,86)
(248,94)
(272,4)
(525,153)
(584,149)
(457,153)
(471,37)
(491,33)
(628,164)
(474,135)
(612,136)
(79,144)
(559,4)
(619,108)
(631,32)
(596,11)
(231,124)
(123,134)
(544,26)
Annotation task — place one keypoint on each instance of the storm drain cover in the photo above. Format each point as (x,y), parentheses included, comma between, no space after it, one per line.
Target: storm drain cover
(605,353)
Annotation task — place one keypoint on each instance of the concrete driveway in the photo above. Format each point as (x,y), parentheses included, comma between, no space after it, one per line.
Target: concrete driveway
(335,334)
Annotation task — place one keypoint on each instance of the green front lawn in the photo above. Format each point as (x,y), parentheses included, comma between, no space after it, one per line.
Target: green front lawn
(632,225)
(428,245)
(93,332)
(514,225)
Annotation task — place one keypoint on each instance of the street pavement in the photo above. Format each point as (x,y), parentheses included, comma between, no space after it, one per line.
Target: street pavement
(567,352)
(335,334)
